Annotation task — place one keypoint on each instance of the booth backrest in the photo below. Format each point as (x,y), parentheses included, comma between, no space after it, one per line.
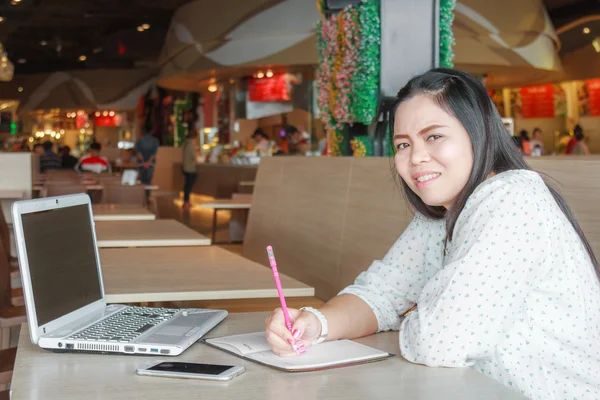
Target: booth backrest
(328,218)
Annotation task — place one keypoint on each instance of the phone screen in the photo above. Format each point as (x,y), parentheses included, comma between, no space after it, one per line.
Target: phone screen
(191,368)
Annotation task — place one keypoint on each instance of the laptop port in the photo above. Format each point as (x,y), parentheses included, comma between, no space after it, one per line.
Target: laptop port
(70,346)
(154,350)
(142,349)
(165,351)
(129,349)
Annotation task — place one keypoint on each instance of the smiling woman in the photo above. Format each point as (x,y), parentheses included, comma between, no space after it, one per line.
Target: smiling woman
(433,151)
(493,272)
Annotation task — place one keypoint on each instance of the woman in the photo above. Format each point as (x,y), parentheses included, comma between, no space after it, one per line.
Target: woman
(576,145)
(525,142)
(189,167)
(263,144)
(493,272)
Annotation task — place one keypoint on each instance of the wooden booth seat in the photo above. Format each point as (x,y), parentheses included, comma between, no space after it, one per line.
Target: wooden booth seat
(328,218)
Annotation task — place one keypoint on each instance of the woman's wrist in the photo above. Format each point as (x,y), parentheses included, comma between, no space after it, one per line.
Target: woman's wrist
(324,325)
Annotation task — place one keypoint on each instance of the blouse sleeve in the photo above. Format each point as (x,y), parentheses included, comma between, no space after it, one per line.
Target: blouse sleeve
(391,286)
(495,259)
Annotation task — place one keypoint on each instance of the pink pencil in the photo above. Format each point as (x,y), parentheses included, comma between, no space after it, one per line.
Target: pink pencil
(273,263)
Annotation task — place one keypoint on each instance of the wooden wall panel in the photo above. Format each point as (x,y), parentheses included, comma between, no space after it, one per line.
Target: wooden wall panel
(578,180)
(376,215)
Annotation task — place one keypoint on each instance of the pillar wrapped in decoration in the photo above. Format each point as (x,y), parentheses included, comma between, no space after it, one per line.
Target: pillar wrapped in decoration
(348,74)
(362,146)
(446,36)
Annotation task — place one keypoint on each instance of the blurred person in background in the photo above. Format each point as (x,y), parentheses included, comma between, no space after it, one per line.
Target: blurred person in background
(576,145)
(299,145)
(537,147)
(93,161)
(25,146)
(67,160)
(38,149)
(525,142)
(189,167)
(49,159)
(262,141)
(146,148)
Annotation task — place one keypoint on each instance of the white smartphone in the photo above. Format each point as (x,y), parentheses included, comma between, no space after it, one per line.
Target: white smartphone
(169,369)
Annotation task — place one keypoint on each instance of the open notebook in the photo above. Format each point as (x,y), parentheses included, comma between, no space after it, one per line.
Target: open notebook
(335,354)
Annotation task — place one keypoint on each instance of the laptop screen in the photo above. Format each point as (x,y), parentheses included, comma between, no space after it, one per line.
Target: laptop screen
(62,262)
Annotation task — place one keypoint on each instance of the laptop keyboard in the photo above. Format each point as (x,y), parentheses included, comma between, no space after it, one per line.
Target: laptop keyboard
(126,325)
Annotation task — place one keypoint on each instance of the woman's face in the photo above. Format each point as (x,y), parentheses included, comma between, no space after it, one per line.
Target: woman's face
(434,154)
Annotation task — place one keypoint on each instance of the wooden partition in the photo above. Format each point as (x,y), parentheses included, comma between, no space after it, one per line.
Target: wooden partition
(329,218)
(326,218)
(579,182)
(217,180)
(165,168)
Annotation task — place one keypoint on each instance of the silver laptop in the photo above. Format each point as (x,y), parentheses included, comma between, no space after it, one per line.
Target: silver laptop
(64,293)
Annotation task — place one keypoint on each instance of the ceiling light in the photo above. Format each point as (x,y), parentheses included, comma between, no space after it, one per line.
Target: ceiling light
(1,18)
(260,75)
(15,2)
(82,58)
(43,43)
(269,73)
(21,61)
(97,113)
(111,114)
(146,26)
(140,29)
(105,113)
(586,30)
(20,89)
(212,88)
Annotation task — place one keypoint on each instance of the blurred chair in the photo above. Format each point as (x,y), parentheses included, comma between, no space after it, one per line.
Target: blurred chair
(7,363)
(5,235)
(122,194)
(10,316)
(109,180)
(60,189)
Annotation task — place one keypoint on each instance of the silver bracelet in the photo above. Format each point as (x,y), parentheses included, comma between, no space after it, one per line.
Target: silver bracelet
(322,319)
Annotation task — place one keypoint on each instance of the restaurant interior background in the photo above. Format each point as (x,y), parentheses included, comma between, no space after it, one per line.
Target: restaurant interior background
(170,66)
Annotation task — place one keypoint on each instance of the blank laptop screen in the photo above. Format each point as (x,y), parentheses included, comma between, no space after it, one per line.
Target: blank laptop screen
(62,262)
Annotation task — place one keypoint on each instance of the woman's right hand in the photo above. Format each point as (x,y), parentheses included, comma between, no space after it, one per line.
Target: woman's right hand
(306,328)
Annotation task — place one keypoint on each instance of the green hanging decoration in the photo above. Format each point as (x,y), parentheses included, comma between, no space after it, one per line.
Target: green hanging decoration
(446,36)
(362,146)
(181,126)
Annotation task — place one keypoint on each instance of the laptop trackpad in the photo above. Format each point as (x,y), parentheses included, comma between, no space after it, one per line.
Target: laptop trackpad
(174,330)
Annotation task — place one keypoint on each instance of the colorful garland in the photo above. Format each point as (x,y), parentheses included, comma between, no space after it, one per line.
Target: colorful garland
(446,35)
(348,73)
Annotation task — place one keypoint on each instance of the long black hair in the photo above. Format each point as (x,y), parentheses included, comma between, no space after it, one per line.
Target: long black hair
(464,97)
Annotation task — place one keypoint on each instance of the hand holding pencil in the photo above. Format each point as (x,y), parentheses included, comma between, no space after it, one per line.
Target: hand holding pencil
(289,331)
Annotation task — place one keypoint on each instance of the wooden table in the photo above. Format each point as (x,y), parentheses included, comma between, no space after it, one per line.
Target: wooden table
(12,194)
(40,374)
(120,212)
(91,186)
(153,274)
(225,204)
(151,233)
